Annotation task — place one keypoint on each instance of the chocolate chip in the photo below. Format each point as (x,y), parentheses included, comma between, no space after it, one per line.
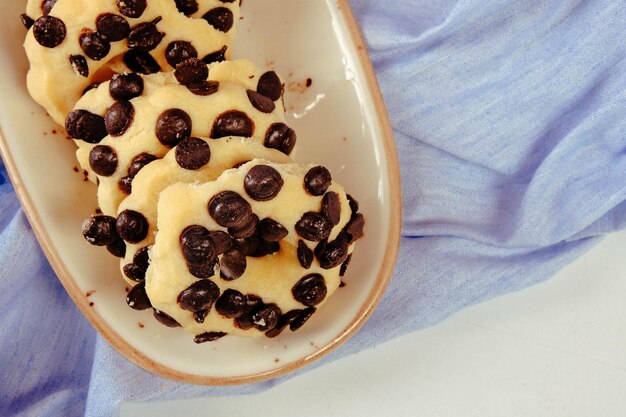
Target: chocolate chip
(137,269)
(260,102)
(199,296)
(141,62)
(139,162)
(137,298)
(192,153)
(272,231)
(253,303)
(222,242)
(132,8)
(344,266)
(246,230)
(90,87)
(217,56)
(229,209)
(231,304)
(26,20)
(313,226)
(112,26)
(280,136)
(188,7)
(270,86)
(354,228)
(126,184)
(331,207)
(81,124)
(266,317)
(103,160)
(117,247)
(99,230)
(334,253)
(232,123)
(265,248)
(132,226)
(126,86)
(301,318)
(232,265)
(178,51)
(320,248)
(199,316)
(283,322)
(310,290)
(197,245)
(220,18)
(305,255)
(263,183)
(247,246)
(173,126)
(145,36)
(191,71)
(119,117)
(354,205)
(204,88)
(240,164)
(79,64)
(203,270)
(164,318)
(46,6)
(49,31)
(94,45)
(208,337)
(317,180)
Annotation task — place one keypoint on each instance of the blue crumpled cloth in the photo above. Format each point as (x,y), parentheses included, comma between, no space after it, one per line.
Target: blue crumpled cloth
(510,122)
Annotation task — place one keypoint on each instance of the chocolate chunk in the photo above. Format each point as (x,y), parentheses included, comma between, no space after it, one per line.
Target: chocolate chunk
(344,266)
(103,160)
(266,317)
(301,318)
(117,247)
(94,45)
(313,226)
(310,290)
(232,265)
(204,88)
(191,71)
(208,337)
(229,209)
(141,62)
(270,86)
(246,230)
(334,253)
(139,162)
(247,246)
(49,31)
(173,126)
(126,86)
(137,269)
(79,64)
(331,207)
(99,230)
(126,184)
(305,255)
(354,228)
(112,26)
(220,18)
(280,136)
(222,242)
(272,231)
(26,20)
(232,123)
(145,36)
(265,248)
(200,296)
(165,319)
(132,226)
(137,298)
(253,303)
(260,102)
(132,8)
(81,124)
(119,117)
(187,7)
(46,6)
(354,205)
(217,56)
(192,154)
(179,51)
(263,183)
(203,270)
(197,245)
(231,304)
(317,180)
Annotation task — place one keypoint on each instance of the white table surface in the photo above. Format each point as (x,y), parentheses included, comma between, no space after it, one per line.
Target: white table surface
(556,349)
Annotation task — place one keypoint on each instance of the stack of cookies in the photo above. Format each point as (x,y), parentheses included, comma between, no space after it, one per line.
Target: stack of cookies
(218,230)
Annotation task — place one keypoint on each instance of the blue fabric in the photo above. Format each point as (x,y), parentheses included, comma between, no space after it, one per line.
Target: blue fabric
(510,124)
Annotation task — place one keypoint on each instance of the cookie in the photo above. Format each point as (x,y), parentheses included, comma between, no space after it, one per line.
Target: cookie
(251,252)
(194,160)
(73,44)
(116,132)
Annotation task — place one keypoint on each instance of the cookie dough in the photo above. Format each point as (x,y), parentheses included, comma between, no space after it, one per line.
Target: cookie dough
(77,43)
(255,251)
(155,112)
(194,160)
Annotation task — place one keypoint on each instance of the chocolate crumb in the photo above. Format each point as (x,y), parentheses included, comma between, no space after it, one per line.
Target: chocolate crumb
(90,293)
(141,326)
(342,284)
(76,169)
(309,81)
(91,304)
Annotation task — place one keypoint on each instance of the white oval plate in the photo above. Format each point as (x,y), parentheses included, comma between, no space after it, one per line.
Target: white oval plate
(341,122)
